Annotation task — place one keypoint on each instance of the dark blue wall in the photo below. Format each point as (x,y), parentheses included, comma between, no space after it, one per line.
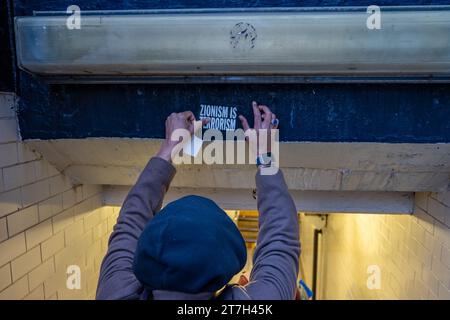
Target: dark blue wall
(26,7)
(352,112)
(6,52)
(308,112)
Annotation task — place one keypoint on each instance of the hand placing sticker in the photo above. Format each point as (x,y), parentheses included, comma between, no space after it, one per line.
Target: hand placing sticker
(177,122)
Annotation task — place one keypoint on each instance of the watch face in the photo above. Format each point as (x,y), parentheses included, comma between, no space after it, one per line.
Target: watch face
(265,159)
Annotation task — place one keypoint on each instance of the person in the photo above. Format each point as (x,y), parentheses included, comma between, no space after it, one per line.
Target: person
(191,249)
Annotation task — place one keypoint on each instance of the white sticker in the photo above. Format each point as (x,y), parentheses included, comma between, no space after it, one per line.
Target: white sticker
(193,146)
(220,117)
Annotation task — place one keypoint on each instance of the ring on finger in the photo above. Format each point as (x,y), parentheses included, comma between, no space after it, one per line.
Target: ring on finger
(274,122)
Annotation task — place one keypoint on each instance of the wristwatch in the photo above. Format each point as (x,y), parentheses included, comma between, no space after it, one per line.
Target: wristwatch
(264,160)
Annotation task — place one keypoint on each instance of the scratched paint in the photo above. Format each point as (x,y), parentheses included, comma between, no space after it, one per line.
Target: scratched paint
(307,112)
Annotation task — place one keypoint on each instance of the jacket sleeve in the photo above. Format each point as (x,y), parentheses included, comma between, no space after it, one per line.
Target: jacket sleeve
(117,280)
(276,257)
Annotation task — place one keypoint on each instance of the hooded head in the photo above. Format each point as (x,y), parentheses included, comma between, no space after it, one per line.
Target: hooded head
(190,246)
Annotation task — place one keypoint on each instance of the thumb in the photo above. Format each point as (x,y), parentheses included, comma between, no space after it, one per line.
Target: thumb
(205,121)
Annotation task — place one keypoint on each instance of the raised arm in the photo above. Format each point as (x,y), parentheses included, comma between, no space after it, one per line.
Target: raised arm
(117,280)
(276,257)
(275,261)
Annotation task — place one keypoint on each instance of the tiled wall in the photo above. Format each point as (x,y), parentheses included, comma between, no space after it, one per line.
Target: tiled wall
(412,253)
(46,223)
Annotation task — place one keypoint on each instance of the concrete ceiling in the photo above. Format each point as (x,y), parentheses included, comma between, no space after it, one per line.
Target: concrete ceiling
(306,166)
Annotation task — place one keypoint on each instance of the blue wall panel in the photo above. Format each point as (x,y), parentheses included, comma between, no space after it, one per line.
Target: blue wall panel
(26,7)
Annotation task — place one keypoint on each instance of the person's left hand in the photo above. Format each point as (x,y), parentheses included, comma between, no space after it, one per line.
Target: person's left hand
(263,124)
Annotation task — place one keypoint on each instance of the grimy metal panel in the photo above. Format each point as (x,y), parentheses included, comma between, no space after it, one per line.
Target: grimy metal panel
(302,42)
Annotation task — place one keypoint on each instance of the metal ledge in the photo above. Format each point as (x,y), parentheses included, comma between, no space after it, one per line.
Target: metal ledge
(306,45)
(305,201)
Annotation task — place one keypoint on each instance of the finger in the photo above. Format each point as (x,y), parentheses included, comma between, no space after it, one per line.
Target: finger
(267,114)
(244,122)
(192,127)
(188,115)
(205,121)
(274,117)
(264,108)
(257,115)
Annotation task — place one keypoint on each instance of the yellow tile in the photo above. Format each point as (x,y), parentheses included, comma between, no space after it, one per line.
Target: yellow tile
(50,207)
(62,220)
(53,245)
(16,291)
(12,248)
(54,283)
(22,220)
(38,233)
(5,276)
(41,273)
(3,230)
(92,219)
(25,263)
(73,232)
(36,294)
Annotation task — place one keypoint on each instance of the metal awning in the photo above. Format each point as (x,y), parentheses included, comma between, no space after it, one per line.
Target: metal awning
(239,45)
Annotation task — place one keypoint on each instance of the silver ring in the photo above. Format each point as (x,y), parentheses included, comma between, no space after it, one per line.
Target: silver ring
(275,122)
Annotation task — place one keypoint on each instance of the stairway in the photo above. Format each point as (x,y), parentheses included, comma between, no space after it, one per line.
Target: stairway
(247,222)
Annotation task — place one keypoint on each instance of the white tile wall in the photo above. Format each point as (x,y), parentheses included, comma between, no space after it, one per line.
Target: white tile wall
(46,223)
(22,220)
(412,251)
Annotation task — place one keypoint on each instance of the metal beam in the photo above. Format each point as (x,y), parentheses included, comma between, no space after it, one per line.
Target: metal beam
(306,166)
(305,201)
(283,43)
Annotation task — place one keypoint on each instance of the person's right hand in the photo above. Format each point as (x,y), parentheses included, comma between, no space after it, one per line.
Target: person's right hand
(263,124)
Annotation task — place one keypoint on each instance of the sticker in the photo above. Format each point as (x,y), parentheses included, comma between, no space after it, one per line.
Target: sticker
(193,146)
(220,117)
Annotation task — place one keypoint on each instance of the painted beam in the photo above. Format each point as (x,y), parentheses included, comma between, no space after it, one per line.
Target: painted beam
(305,201)
(307,166)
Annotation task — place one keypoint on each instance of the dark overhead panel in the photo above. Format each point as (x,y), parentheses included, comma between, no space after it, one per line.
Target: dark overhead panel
(382,111)
(251,45)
